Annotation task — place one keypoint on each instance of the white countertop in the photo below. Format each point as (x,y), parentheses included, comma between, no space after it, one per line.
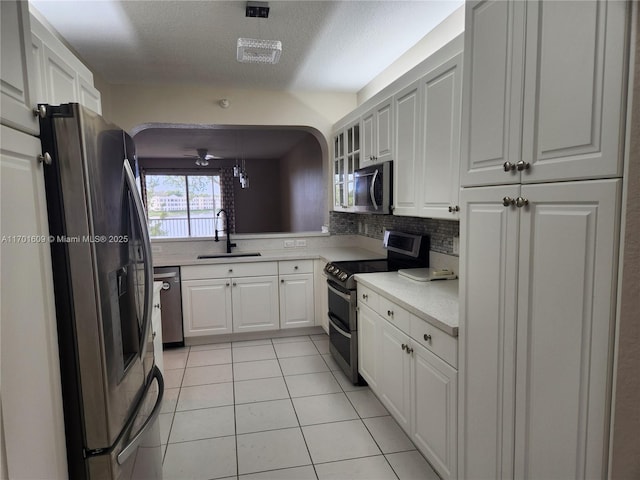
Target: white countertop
(435,302)
(330,254)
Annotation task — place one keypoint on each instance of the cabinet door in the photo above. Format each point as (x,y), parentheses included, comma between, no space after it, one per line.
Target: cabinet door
(384,131)
(28,316)
(206,307)
(566,301)
(368,147)
(17,90)
(488,266)
(368,345)
(89,96)
(492,91)
(255,304)
(574,90)
(434,396)
(296,301)
(338,171)
(394,373)
(407,164)
(440,178)
(60,78)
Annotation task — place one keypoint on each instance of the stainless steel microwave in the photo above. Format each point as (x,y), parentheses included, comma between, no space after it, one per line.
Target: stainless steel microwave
(373,188)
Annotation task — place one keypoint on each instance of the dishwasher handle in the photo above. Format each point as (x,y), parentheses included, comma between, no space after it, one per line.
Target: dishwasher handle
(162,276)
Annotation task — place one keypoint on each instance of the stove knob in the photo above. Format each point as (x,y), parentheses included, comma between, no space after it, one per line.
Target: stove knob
(343,276)
(330,268)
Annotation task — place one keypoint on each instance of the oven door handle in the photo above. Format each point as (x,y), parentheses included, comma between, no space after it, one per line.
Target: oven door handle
(338,327)
(339,293)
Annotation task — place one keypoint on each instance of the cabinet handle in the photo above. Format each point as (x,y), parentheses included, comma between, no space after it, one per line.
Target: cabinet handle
(40,111)
(231,270)
(454,209)
(390,313)
(508,166)
(521,202)
(427,337)
(227,284)
(404,347)
(282,280)
(235,284)
(46,159)
(409,350)
(157,305)
(296,267)
(522,165)
(508,201)
(154,335)
(365,296)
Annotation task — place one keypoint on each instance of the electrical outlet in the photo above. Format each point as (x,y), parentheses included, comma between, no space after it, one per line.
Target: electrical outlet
(301,243)
(456,245)
(289,243)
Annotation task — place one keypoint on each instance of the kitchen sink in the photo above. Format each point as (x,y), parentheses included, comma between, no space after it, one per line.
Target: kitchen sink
(229,255)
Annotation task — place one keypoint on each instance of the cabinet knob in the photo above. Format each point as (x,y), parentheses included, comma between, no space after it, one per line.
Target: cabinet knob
(227,284)
(508,166)
(508,201)
(235,284)
(404,347)
(231,270)
(157,305)
(454,208)
(46,159)
(296,267)
(521,202)
(282,280)
(427,337)
(409,350)
(365,296)
(522,165)
(40,111)
(390,313)
(154,335)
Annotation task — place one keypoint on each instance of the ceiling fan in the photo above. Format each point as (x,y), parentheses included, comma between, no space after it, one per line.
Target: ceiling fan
(202,158)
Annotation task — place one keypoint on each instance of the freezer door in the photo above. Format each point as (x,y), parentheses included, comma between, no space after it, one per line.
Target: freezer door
(102,274)
(137,453)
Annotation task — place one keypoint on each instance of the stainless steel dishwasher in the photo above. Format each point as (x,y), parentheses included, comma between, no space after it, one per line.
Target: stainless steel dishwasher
(171,305)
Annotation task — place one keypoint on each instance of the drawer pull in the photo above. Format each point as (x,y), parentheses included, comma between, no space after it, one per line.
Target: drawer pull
(296,267)
(365,296)
(427,337)
(404,347)
(231,270)
(390,313)
(409,350)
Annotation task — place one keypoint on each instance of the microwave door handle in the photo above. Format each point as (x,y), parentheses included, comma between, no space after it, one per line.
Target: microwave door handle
(372,190)
(146,247)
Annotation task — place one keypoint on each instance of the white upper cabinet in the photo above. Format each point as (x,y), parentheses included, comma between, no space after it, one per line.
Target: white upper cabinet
(346,159)
(377,134)
(543,85)
(407,166)
(17,87)
(439,182)
(60,76)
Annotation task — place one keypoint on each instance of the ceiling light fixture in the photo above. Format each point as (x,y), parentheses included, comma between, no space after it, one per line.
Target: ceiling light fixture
(253,50)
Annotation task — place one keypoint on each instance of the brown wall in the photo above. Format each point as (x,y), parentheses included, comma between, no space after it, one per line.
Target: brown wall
(258,208)
(302,187)
(625,438)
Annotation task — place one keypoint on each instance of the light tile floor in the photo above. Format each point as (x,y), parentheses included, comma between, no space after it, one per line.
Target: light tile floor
(277,409)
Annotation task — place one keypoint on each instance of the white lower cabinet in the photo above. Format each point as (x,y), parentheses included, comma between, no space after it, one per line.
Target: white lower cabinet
(255,303)
(417,387)
(206,307)
(296,294)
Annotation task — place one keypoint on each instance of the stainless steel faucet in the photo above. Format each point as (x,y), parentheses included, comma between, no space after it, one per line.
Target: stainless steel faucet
(226,230)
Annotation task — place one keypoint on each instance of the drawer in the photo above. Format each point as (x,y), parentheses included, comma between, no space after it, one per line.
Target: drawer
(295,266)
(368,297)
(442,344)
(397,315)
(222,270)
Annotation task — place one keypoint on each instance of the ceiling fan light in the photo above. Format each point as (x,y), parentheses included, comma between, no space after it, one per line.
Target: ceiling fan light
(252,50)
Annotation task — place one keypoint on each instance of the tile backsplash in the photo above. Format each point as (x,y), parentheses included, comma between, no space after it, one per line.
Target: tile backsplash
(441,232)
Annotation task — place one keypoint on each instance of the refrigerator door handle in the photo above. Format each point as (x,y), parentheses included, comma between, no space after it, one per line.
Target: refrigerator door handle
(148,266)
(131,447)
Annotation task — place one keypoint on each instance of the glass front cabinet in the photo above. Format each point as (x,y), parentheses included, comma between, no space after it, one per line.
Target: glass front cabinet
(346,159)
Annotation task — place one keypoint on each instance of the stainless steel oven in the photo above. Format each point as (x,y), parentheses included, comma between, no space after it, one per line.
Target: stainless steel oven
(343,333)
(404,250)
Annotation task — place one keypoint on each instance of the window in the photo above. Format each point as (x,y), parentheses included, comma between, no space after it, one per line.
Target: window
(182,205)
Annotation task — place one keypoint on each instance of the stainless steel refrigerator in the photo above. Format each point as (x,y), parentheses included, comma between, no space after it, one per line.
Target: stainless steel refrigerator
(103,283)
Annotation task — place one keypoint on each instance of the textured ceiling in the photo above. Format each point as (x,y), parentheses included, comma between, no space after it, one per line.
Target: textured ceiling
(327,45)
(176,141)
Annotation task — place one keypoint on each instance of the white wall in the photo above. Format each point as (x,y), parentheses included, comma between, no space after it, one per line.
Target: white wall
(446,31)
